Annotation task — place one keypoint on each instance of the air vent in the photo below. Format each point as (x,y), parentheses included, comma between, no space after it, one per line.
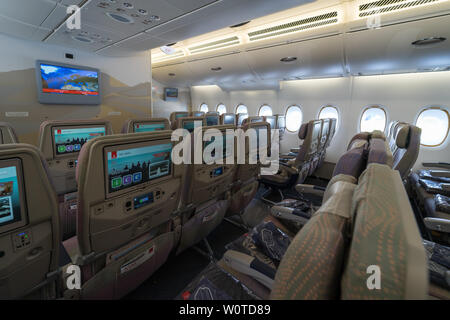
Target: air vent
(161,58)
(428,41)
(295,26)
(385,6)
(120,17)
(219,44)
(82,39)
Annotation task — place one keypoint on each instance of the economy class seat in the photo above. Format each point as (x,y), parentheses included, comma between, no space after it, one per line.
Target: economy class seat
(7,134)
(207,189)
(328,258)
(125,230)
(246,183)
(62,158)
(29,225)
(145,125)
(240,117)
(174,116)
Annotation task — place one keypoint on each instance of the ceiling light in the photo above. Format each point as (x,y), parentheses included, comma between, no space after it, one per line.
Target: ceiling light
(168,50)
(142,12)
(213,45)
(216,69)
(428,41)
(127,5)
(240,24)
(120,17)
(288,59)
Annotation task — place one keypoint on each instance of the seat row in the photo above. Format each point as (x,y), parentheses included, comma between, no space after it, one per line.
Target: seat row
(130,204)
(362,243)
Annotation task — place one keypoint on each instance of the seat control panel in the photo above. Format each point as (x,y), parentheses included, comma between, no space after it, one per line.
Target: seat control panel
(22,239)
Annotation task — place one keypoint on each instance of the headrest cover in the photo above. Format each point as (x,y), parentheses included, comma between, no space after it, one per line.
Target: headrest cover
(303,131)
(377,134)
(401,140)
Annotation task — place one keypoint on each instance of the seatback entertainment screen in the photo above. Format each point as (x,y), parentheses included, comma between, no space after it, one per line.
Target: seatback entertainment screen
(133,166)
(148,127)
(212,120)
(71,140)
(10,194)
(67,84)
(229,119)
(226,151)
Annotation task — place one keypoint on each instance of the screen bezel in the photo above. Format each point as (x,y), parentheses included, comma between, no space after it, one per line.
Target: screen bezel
(52,98)
(205,123)
(16,162)
(231,116)
(149,123)
(72,154)
(131,189)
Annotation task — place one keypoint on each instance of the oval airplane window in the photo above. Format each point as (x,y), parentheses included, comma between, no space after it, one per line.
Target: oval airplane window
(294,118)
(434,123)
(373,118)
(329,112)
(265,110)
(241,109)
(221,108)
(204,107)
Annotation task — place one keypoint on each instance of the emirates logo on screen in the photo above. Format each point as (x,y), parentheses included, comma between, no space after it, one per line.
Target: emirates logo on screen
(114,155)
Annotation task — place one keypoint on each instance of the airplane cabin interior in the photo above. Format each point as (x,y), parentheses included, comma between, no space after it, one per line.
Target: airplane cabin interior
(224,150)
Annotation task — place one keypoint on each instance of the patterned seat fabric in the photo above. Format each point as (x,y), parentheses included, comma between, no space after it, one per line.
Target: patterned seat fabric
(385,236)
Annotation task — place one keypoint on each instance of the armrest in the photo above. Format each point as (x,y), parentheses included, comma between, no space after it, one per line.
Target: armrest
(440,173)
(250,266)
(288,168)
(295,149)
(437,224)
(310,189)
(444,165)
(290,214)
(287,156)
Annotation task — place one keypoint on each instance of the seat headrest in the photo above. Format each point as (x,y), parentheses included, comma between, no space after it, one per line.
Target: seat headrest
(377,134)
(302,132)
(401,138)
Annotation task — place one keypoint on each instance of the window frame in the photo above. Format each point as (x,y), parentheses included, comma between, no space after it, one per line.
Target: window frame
(285,114)
(448,124)
(237,107)
(338,120)
(221,104)
(376,106)
(200,107)
(264,105)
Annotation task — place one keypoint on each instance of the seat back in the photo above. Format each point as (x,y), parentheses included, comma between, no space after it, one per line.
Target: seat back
(29,225)
(174,116)
(310,134)
(385,240)
(405,150)
(60,142)
(197,114)
(7,134)
(324,134)
(212,113)
(211,119)
(312,265)
(272,120)
(252,119)
(281,124)
(228,118)
(189,123)
(207,190)
(240,117)
(331,132)
(129,189)
(145,125)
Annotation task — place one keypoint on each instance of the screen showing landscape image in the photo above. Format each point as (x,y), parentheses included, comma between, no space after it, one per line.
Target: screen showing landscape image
(65,80)
(139,127)
(9,196)
(130,167)
(72,140)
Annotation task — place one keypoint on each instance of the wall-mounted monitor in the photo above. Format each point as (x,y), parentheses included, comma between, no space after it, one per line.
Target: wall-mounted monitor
(68,140)
(12,198)
(149,127)
(132,165)
(171,94)
(60,83)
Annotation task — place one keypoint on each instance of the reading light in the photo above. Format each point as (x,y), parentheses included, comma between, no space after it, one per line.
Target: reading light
(288,59)
(428,41)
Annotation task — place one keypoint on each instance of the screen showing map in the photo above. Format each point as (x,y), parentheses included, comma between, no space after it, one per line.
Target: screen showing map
(130,167)
(68,141)
(148,127)
(9,196)
(65,80)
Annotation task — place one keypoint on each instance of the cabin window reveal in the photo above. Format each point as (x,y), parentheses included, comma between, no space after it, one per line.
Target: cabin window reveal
(373,118)
(294,118)
(265,111)
(434,122)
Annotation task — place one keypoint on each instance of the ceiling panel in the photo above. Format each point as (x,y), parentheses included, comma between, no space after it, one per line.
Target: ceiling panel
(389,48)
(182,75)
(317,57)
(16,28)
(28,11)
